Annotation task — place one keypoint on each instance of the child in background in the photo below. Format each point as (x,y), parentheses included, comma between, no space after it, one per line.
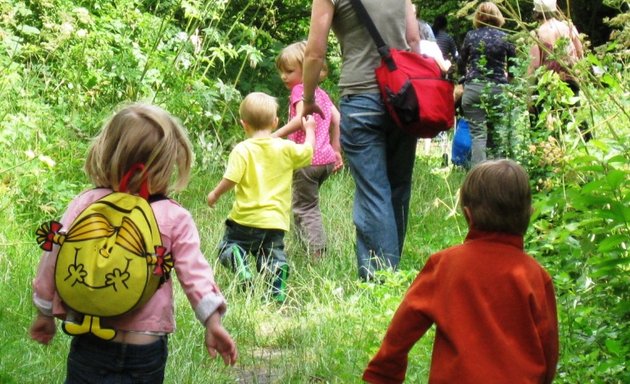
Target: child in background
(431,49)
(326,158)
(428,47)
(493,305)
(261,169)
(145,134)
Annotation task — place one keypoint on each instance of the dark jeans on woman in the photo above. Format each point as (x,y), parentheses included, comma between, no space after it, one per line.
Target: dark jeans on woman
(381,159)
(95,361)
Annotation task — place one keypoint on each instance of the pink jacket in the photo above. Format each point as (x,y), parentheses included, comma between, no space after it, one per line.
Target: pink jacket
(324,152)
(180,237)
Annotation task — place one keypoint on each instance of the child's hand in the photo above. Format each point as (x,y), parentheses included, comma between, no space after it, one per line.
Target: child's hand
(219,340)
(338,162)
(43,329)
(212,199)
(308,122)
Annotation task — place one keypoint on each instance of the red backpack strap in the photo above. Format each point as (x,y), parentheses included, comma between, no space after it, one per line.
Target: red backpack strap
(144,187)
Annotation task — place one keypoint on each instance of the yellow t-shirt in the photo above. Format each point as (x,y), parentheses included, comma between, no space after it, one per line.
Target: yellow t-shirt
(262,169)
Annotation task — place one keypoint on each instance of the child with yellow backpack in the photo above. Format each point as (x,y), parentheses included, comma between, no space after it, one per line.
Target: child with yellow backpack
(106,266)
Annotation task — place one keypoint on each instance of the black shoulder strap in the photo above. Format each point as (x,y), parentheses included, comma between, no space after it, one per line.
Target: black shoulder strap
(363,15)
(157,197)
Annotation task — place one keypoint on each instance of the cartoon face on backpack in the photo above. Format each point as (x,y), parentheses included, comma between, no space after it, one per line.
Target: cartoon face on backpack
(110,261)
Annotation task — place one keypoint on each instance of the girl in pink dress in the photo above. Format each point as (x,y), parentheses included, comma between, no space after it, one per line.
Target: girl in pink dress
(326,158)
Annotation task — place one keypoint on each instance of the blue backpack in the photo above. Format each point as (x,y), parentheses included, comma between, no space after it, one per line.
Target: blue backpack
(460,154)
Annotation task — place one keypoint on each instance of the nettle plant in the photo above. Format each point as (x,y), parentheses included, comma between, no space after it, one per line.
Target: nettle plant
(69,66)
(581,226)
(190,57)
(581,234)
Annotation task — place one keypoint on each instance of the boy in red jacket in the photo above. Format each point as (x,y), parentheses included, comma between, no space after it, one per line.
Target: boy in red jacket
(493,305)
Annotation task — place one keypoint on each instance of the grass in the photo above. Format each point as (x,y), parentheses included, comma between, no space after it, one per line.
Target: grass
(327,330)
(332,324)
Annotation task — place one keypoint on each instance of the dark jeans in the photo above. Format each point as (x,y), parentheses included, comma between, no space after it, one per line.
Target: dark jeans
(267,245)
(95,361)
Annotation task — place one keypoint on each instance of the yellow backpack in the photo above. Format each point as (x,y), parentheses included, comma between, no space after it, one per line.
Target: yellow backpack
(110,261)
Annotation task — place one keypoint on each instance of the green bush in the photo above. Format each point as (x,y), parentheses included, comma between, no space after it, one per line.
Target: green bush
(66,66)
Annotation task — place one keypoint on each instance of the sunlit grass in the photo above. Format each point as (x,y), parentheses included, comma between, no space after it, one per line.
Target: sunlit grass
(326,331)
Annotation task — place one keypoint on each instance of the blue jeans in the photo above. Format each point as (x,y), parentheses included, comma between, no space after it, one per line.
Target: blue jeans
(95,361)
(381,159)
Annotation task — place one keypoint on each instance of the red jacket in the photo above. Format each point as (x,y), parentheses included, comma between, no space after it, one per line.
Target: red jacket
(495,312)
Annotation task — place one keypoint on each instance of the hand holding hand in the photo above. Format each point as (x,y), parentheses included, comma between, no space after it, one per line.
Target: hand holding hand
(218,340)
(308,122)
(43,329)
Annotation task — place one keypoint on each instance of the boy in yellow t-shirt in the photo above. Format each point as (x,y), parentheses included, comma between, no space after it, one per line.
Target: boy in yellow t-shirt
(260,169)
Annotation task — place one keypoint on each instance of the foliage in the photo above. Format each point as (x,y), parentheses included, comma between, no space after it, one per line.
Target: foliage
(582,230)
(581,223)
(66,65)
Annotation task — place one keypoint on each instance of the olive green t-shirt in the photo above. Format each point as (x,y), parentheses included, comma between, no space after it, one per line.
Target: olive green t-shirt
(359,54)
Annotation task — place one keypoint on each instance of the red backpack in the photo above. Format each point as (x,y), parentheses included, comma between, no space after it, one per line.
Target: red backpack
(416,95)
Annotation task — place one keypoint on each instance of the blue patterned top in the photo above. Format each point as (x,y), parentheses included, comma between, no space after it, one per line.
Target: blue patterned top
(485,55)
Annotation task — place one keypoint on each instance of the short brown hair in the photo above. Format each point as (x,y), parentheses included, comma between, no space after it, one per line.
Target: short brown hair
(499,197)
(488,13)
(146,134)
(259,110)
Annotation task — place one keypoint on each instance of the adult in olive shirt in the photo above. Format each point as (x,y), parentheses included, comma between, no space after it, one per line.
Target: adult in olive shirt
(379,155)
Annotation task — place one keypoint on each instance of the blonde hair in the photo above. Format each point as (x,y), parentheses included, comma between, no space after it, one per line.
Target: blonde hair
(499,197)
(488,13)
(293,56)
(145,134)
(259,110)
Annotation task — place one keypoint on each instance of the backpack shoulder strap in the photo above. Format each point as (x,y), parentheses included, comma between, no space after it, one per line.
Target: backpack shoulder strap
(157,197)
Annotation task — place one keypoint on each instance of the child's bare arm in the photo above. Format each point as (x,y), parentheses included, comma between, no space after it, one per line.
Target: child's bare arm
(219,340)
(334,137)
(335,118)
(308,123)
(293,125)
(223,186)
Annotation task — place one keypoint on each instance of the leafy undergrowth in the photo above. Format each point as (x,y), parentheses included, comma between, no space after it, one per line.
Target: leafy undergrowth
(66,67)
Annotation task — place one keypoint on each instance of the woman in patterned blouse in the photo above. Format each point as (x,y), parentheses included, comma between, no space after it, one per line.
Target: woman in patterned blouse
(483,62)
